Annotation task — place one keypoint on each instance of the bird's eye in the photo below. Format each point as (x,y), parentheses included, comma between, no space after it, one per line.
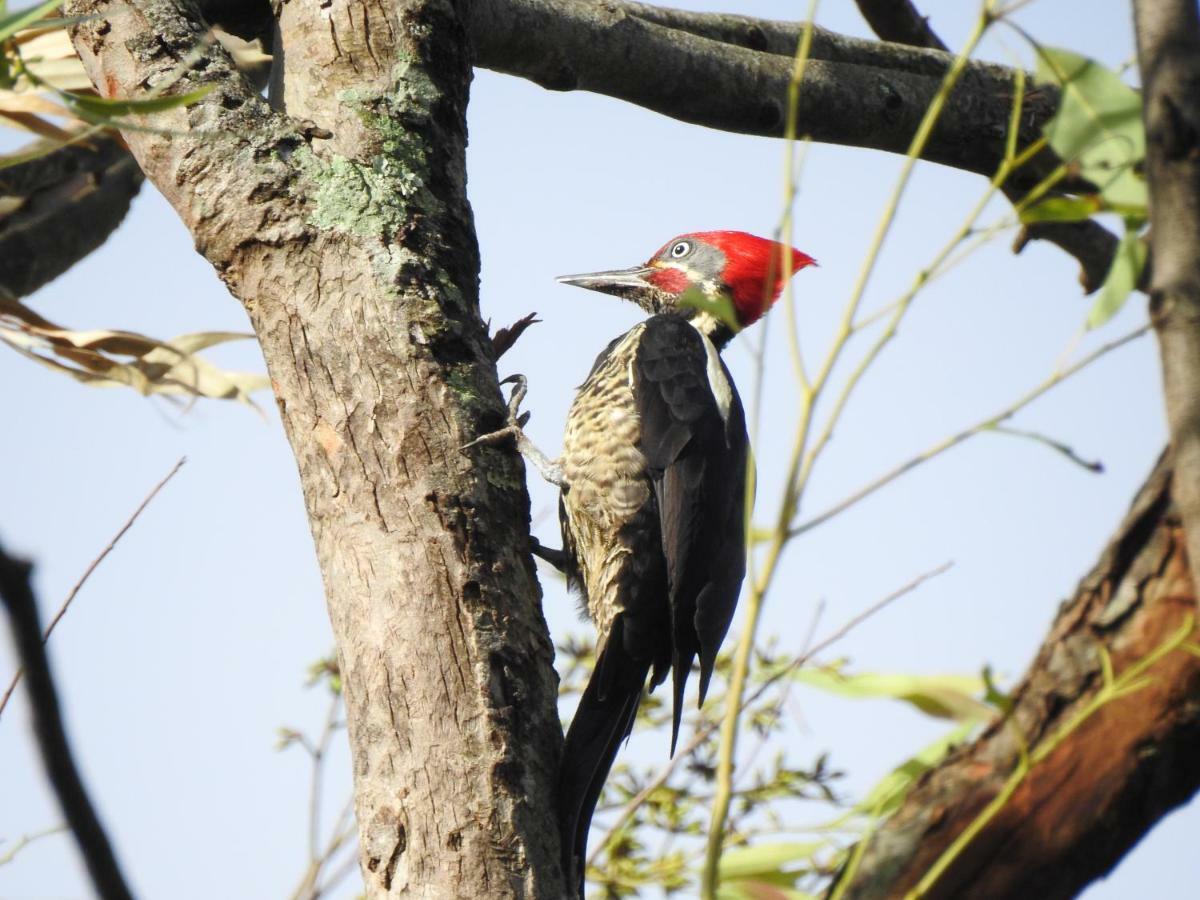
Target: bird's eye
(681,249)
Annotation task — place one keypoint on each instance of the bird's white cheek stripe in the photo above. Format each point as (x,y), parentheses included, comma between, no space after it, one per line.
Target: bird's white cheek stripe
(717,382)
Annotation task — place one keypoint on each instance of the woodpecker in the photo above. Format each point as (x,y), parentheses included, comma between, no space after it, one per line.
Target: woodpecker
(653,489)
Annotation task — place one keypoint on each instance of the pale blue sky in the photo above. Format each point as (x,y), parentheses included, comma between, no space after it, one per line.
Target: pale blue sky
(187,649)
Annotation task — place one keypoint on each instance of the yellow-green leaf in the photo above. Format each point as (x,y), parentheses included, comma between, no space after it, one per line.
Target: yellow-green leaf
(720,307)
(942,696)
(104,108)
(762,859)
(13,22)
(1121,280)
(1062,209)
(1098,124)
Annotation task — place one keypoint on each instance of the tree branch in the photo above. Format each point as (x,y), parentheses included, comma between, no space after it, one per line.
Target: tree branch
(59,208)
(64,777)
(732,73)
(1126,761)
(1088,241)
(899,22)
(1168,38)
(875,101)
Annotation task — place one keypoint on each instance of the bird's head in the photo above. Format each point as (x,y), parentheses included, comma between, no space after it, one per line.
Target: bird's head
(747,272)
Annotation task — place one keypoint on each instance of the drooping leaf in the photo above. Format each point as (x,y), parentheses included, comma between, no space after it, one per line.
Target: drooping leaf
(757,889)
(1098,125)
(95,108)
(13,22)
(1062,209)
(1121,280)
(942,696)
(766,858)
(110,358)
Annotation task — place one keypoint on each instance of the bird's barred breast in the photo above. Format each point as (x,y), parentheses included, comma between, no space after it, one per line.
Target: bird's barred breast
(607,476)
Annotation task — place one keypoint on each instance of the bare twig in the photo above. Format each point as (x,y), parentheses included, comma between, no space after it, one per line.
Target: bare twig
(92,566)
(954,440)
(97,852)
(319,857)
(26,839)
(1092,465)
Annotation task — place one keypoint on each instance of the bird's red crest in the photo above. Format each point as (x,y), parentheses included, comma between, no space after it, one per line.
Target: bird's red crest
(755,269)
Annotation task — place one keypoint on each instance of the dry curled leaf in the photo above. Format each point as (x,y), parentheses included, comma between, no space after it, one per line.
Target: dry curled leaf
(110,358)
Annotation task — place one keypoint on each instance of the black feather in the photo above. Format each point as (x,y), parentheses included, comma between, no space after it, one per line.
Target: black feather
(680,584)
(603,720)
(697,463)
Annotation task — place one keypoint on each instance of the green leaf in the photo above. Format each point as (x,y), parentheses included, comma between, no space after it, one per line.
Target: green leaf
(942,696)
(766,859)
(1062,209)
(720,307)
(1121,280)
(891,790)
(1098,124)
(100,107)
(13,22)
(751,889)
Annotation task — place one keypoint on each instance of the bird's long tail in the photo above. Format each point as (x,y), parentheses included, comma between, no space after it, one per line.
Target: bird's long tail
(603,720)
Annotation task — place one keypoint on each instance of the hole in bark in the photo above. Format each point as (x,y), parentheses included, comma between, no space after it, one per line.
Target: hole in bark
(472,591)
(755,38)
(454,842)
(770,116)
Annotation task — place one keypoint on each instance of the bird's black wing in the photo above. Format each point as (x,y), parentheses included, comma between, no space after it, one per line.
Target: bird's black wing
(693,435)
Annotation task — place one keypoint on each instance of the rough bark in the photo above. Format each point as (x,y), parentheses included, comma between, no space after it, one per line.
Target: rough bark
(60,207)
(1091,799)
(355,258)
(1168,37)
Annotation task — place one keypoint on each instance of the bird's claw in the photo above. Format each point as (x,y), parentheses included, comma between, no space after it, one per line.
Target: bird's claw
(550,469)
(517,420)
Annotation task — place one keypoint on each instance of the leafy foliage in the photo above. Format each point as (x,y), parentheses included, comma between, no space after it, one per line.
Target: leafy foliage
(1098,133)
(656,817)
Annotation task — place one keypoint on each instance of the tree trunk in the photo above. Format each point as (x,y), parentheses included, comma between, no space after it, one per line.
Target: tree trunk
(345,231)
(1091,792)
(1168,37)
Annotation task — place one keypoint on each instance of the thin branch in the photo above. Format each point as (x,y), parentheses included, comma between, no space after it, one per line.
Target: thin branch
(26,839)
(1057,446)
(899,21)
(954,440)
(87,573)
(77,807)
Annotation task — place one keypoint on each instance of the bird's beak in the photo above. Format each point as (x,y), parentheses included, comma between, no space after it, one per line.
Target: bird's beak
(628,283)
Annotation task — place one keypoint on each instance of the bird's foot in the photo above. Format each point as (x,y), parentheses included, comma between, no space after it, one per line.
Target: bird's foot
(550,469)
(556,558)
